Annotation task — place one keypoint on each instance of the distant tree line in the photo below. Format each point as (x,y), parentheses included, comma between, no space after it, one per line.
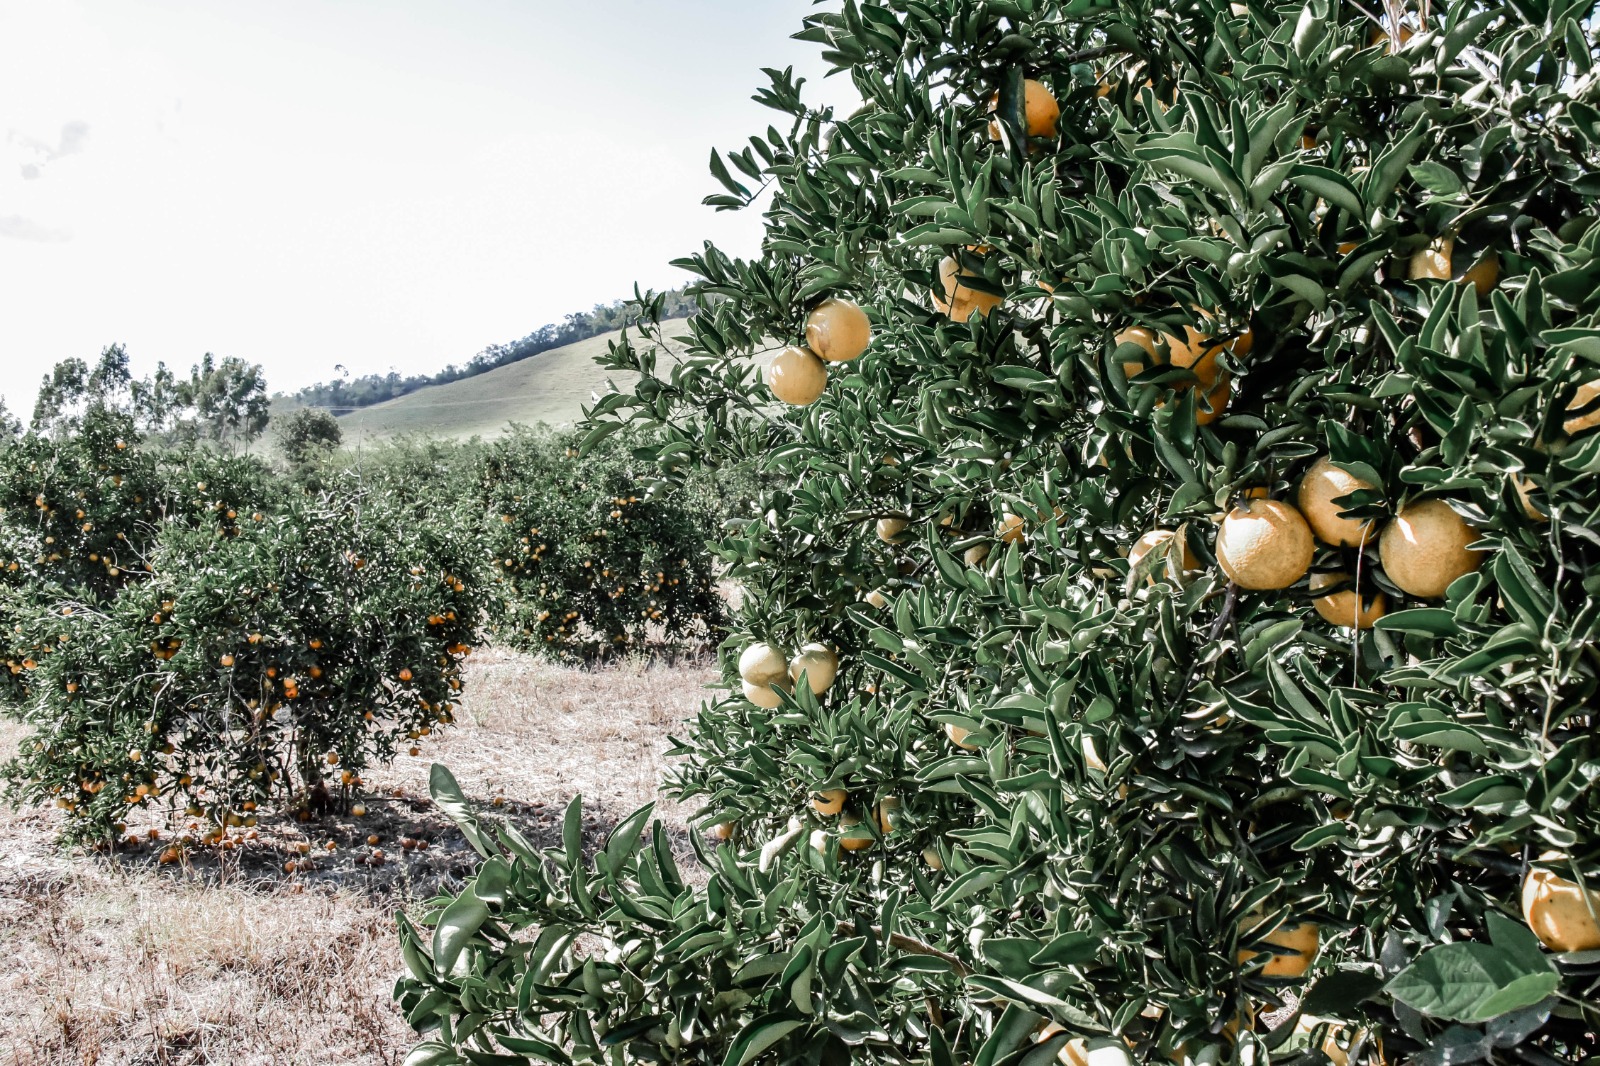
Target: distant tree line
(221,401)
(343,396)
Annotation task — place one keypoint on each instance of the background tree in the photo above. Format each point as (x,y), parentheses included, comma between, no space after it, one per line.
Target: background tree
(227,398)
(1206,336)
(308,434)
(74,387)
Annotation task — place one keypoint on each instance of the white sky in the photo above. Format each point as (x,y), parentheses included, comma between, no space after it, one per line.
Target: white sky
(377,183)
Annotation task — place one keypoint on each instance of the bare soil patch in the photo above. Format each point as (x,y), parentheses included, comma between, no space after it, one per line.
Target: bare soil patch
(227,956)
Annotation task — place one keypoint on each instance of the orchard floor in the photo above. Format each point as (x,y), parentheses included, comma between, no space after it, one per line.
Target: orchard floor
(225,957)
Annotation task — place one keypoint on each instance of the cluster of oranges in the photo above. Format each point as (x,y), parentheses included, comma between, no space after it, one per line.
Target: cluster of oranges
(837,331)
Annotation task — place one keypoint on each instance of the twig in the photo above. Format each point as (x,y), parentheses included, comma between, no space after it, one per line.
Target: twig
(917,947)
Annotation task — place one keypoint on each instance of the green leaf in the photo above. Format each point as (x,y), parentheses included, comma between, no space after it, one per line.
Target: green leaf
(448,797)
(623,843)
(1471,982)
(457,925)
(1428,621)
(758,1036)
(433,1053)
(1330,185)
(1436,178)
(1341,993)
(572,833)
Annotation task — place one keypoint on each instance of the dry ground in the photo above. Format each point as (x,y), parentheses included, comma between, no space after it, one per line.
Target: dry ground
(227,958)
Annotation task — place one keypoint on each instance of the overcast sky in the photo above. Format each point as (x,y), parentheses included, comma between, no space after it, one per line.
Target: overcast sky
(377,183)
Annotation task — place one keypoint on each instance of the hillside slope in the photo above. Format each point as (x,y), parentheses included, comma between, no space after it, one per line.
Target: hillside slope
(550,388)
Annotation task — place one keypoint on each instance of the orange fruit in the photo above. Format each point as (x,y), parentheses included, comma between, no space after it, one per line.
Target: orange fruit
(1558,912)
(1264,544)
(837,330)
(1424,548)
(1040,107)
(1300,940)
(829,801)
(958,736)
(797,377)
(1323,484)
(1159,538)
(856,840)
(1075,1052)
(1345,608)
(1432,262)
(1587,393)
(762,664)
(888,814)
(818,664)
(960,302)
(890,529)
(764,696)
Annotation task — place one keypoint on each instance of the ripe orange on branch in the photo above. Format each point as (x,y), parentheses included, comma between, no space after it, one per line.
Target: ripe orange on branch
(797,377)
(1323,484)
(1424,548)
(959,301)
(1040,107)
(1264,544)
(837,330)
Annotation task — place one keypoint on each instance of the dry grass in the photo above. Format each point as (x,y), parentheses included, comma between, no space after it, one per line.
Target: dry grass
(226,958)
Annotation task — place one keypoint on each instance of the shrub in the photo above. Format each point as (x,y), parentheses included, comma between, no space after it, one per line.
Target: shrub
(82,511)
(595,557)
(1166,794)
(262,653)
(307,434)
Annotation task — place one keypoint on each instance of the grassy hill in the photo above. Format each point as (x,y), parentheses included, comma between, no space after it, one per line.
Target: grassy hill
(550,388)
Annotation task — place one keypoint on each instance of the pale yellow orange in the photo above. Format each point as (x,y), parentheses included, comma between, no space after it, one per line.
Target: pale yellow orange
(1264,544)
(1424,548)
(838,330)
(797,377)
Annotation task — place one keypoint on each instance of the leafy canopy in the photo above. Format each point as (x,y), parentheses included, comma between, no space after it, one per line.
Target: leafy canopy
(1380,227)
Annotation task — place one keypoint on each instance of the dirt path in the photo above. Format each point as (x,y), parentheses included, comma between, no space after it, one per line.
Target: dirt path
(227,957)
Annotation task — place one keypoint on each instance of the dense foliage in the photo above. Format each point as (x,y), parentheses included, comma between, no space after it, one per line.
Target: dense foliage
(593,561)
(180,626)
(188,624)
(1140,803)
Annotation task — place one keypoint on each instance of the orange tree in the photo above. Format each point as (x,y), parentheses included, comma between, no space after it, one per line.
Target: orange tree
(1201,556)
(267,644)
(594,557)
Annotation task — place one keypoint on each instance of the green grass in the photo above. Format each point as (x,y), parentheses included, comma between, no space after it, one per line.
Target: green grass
(550,388)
